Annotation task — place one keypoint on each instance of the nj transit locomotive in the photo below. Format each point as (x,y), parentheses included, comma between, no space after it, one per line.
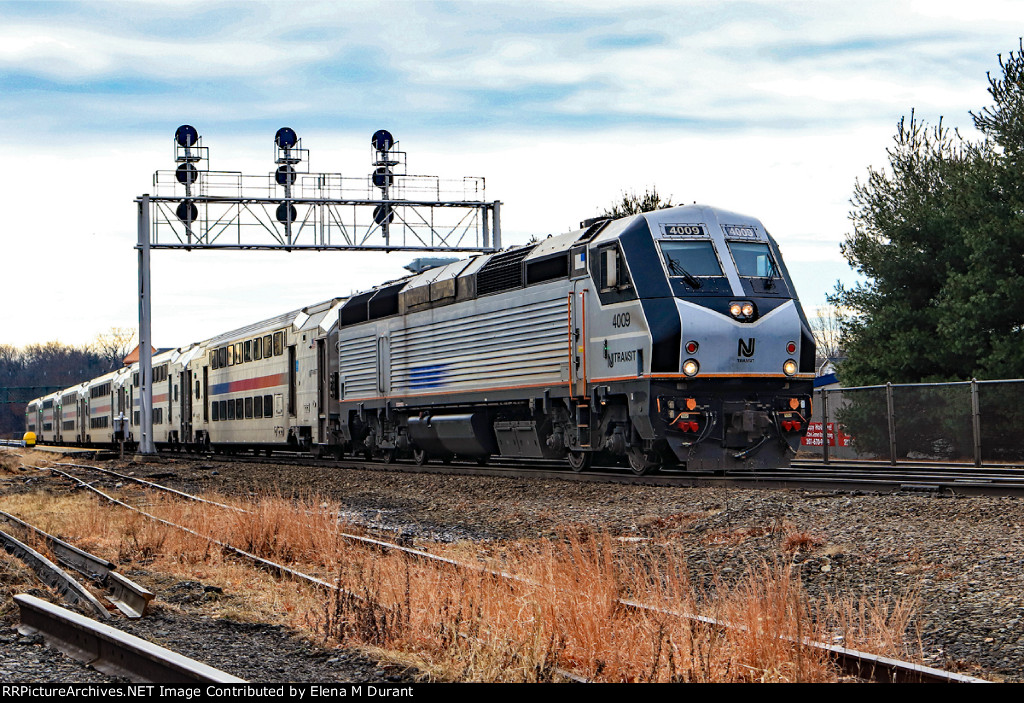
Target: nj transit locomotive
(672,337)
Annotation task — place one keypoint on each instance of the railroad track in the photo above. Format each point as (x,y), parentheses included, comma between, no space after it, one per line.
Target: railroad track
(853,662)
(953,479)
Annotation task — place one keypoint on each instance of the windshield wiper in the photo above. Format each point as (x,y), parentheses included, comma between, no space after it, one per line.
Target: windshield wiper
(678,270)
(770,275)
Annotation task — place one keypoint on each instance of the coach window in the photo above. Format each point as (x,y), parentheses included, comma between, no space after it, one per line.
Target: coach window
(257,348)
(197,390)
(257,406)
(248,408)
(247,350)
(268,346)
(231,354)
(239,408)
(215,416)
(268,406)
(223,410)
(231,409)
(278,343)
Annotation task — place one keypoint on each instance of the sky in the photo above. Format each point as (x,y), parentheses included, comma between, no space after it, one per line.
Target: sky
(772,109)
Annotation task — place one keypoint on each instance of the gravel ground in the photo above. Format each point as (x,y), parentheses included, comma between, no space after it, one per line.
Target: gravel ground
(962,556)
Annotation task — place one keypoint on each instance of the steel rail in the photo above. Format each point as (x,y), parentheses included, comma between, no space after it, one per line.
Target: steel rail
(129,597)
(110,650)
(356,539)
(284,570)
(52,575)
(854,662)
(274,567)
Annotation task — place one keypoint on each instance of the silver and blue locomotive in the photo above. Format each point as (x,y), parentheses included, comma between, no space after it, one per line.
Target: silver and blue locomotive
(672,337)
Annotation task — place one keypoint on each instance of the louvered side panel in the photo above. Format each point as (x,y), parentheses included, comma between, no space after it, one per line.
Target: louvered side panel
(522,345)
(358,364)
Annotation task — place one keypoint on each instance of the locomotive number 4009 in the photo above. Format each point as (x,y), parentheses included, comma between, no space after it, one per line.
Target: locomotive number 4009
(620,320)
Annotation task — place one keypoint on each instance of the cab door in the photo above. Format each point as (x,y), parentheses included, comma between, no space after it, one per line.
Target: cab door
(578,339)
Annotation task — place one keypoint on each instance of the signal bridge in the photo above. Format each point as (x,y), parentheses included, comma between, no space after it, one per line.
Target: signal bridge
(292,208)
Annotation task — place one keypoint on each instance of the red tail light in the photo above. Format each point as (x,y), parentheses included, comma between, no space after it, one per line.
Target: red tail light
(796,426)
(787,425)
(694,427)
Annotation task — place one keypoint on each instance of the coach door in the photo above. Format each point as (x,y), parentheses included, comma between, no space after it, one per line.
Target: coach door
(578,340)
(186,406)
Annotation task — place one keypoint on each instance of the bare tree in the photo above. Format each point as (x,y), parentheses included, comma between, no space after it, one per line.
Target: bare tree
(114,344)
(827,328)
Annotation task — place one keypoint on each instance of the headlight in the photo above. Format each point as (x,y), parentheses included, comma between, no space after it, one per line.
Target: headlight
(743,310)
(789,367)
(691,367)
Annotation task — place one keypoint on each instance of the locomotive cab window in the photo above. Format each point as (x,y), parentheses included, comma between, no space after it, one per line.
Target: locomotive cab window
(612,269)
(753,259)
(690,258)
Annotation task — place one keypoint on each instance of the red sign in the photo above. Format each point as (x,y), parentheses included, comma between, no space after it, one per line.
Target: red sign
(813,437)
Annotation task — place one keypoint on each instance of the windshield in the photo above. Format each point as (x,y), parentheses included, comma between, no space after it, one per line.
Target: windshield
(753,259)
(693,258)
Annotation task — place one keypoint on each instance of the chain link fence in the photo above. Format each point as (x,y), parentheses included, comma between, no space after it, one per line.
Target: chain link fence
(969,422)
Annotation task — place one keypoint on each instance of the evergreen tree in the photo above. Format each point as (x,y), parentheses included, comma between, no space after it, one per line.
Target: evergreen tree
(938,236)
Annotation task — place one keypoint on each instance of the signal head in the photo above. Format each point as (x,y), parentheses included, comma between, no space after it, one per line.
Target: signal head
(186,135)
(286,138)
(382,140)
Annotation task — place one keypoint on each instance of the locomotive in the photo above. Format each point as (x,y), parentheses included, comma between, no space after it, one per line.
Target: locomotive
(668,338)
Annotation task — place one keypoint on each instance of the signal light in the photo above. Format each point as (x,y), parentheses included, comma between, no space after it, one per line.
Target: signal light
(692,347)
(382,177)
(186,135)
(186,173)
(791,348)
(286,138)
(382,140)
(285,175)
(286,213)
(383,215)
(187,211)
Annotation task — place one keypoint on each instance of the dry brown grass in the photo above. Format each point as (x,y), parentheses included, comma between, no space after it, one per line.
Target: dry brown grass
(470,626)
(802,540)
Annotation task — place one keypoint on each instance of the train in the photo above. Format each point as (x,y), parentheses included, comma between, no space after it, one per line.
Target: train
(671,338)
